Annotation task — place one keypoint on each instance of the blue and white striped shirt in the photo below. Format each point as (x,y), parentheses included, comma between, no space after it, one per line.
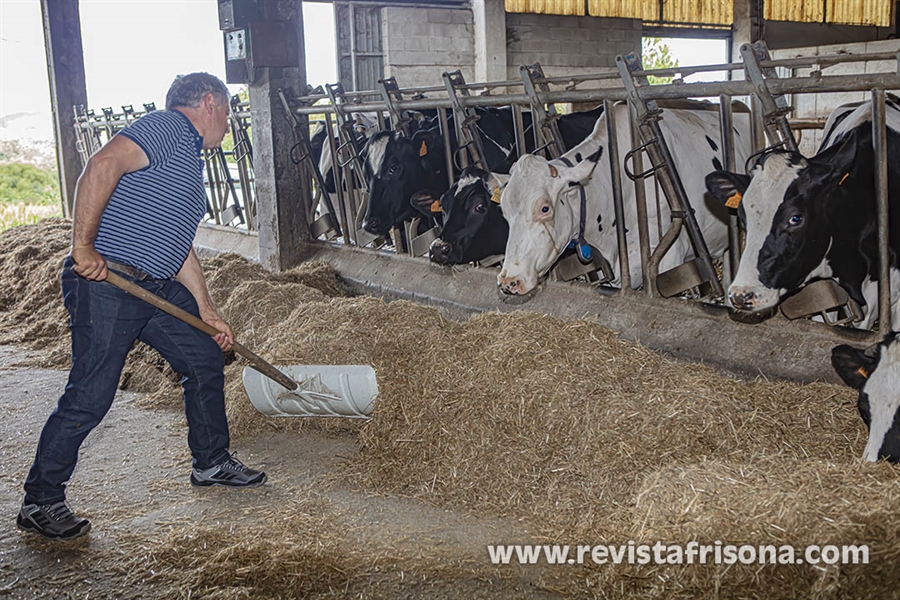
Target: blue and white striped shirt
(152,216)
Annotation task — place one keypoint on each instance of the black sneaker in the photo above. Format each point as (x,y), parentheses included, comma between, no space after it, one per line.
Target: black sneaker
(230,472)
(54,521)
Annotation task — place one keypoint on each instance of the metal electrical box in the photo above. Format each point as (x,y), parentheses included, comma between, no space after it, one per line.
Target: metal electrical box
(250,41)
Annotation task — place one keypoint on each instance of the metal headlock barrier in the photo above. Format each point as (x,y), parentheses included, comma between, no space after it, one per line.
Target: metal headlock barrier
(230,200)
(770,121)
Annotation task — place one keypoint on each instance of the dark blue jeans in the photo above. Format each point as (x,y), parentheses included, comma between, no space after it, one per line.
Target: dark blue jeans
(104,322)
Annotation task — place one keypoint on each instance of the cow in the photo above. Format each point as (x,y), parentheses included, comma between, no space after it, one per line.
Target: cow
(875,373)
(399,167)
(473,224)
(550,203)
(811,218)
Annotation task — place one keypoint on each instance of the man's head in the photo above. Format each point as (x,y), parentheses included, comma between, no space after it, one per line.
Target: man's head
(204,99)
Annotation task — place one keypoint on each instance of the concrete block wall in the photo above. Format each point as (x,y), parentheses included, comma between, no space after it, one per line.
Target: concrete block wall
(566,45)
(821,105)
(422,43)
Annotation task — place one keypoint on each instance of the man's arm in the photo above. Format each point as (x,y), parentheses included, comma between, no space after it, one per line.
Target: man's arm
(95,185)
(191,275)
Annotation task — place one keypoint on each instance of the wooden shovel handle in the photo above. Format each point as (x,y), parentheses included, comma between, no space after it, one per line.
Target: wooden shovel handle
(258,363)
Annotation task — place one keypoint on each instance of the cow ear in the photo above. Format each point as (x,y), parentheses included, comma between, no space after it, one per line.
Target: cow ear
(853,365)
(835,163)
(726,187)
(426,202)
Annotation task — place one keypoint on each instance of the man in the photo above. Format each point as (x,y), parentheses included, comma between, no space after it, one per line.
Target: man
(137,207)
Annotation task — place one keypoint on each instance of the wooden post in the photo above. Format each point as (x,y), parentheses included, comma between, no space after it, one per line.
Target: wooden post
(65,68)
(283,190)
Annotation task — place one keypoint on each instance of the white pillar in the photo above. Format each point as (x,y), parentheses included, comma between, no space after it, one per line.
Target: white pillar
(490,40)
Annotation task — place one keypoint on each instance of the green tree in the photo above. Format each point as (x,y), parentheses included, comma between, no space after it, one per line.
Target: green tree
(655,54)
(27,183)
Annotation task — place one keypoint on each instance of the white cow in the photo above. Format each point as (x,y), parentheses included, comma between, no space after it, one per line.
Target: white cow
(543,206)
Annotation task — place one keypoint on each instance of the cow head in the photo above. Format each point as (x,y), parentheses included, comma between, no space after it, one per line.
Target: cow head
(541,205)
(784,207)
(876,374)
(474,227)
(396,168)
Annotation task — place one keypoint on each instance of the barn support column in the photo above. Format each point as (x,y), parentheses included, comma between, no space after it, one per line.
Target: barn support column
(489,17)
(282,193)
(748,24)
(65,69)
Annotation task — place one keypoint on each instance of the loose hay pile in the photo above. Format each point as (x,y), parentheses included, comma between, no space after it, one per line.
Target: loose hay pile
(588,438)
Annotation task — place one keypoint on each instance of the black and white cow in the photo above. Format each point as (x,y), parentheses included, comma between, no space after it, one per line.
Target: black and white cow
(876,374)
(816,218)
(400,167)
(473,224)
(542,200)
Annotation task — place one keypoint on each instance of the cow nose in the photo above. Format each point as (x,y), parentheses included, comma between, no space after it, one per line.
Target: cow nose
(742,300)
(439,251)
(373,225)
(510,285)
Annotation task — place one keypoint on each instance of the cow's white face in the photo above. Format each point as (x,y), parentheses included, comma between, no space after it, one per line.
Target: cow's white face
(542,210)
(768,187)
(876,374)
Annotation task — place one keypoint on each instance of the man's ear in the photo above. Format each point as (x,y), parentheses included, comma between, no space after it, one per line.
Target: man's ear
(726,187)
(426,202)
(853,365)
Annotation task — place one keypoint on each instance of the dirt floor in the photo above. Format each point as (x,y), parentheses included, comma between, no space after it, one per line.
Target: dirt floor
(132,483)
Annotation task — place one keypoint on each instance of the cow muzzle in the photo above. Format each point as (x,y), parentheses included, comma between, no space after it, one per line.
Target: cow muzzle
(439,251)
(511,286)
(374,226)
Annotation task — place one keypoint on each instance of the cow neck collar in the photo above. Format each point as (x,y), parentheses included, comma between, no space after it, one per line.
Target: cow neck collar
(585,253)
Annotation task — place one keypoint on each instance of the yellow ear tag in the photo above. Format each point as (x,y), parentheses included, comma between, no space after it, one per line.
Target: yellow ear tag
(861,370)
(423,150)
(846,175)
(436,206)
(734,200)
(495,196)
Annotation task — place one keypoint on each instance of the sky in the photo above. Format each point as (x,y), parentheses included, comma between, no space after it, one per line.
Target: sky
(125,64)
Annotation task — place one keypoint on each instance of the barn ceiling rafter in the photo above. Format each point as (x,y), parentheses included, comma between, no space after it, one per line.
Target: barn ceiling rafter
(716,13)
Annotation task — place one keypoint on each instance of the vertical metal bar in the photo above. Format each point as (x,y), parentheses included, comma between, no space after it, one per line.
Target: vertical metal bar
(519,129)
(616,179)
(353,62)
(349,236)
(726,126)
(757,128)
(879,143)
(640,199)
(448,147)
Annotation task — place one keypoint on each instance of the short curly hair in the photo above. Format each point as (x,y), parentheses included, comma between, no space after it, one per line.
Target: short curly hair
(188,90)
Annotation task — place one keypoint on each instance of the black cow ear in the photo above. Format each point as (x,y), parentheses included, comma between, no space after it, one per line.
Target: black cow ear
(426,202)
(836,162)
(853,365)
(726,187)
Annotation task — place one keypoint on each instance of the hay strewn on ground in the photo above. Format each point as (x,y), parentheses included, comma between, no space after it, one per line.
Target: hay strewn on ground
(588,438)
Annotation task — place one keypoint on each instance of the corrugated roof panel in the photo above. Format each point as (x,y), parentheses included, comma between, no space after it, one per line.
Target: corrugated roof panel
(804,11)
(860,12)
(628,9)
(546,7)
(699,11)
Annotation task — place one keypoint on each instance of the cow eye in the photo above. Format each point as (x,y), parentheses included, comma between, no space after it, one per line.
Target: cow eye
(795,220)
(545,209)
(394,169)
(480,208)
